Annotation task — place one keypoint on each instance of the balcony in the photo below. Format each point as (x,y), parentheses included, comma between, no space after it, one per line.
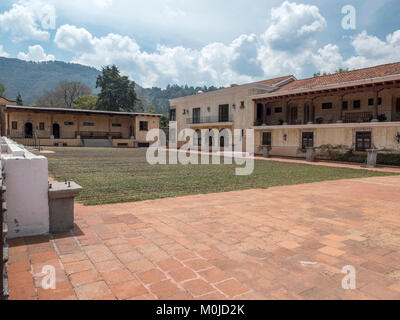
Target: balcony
(209,119)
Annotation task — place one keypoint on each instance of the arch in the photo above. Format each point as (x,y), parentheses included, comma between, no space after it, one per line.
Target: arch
(197,138)
(28,130)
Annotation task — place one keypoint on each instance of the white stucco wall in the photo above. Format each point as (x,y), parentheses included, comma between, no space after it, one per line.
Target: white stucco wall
(27,193)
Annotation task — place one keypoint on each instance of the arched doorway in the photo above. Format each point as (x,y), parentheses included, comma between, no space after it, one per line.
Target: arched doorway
(28,130)
(56,131)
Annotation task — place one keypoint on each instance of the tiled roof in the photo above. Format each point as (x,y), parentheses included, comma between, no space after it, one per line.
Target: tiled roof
(349,76)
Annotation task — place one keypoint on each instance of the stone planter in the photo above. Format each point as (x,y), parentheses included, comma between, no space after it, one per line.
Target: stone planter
(372,158)
(266,151)
(310,154)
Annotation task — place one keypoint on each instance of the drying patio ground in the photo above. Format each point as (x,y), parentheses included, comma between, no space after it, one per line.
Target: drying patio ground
(123,175)
(287,242)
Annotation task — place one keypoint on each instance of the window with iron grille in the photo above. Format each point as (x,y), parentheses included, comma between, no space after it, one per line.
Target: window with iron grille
(144,126)
(363,141)
(224,113)
(371,102)
(267,139)
(327,105)
(41,126)
(88,124)
(117,125)
(14,125)
(68,123)
(307,140)
(345,105)
(357,104)
(379,101)
(278,110)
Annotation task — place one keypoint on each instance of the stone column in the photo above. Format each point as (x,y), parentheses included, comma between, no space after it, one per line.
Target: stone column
(340,111)
(51,127)
(286,108)
(311,112)
(78,133)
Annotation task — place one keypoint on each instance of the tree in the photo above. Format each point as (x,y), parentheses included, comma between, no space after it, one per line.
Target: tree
(2,90)
(18,100)
(340,70)
(86,103)
(117,92)
(64,95)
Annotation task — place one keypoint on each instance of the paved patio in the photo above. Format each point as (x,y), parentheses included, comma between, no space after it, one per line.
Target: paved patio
(281,243)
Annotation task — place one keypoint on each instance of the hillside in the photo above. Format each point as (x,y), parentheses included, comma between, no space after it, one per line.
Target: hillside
(32,79)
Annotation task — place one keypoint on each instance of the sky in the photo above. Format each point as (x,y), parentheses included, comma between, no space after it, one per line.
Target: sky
(203,42)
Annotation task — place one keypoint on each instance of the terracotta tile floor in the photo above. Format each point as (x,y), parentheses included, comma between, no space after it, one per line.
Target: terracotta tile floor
(281,243)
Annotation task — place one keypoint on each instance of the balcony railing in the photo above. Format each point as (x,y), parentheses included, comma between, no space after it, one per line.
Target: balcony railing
(210,119)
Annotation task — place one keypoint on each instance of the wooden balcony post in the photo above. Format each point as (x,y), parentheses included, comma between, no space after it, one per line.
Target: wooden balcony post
(376,112)
(340,111)
(286,107)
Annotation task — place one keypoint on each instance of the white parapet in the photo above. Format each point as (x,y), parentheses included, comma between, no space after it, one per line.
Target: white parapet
(26,180)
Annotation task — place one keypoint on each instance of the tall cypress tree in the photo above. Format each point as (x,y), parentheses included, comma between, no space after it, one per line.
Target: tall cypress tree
(117,92)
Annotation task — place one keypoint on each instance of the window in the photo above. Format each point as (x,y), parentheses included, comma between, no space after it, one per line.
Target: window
(144,126)
(41,126)
(363,141)
(307,140)
(268,111)
(345,105)
(196,115)
(278,110)
(117,125)
(14,125)
(267,139)
(357,104)
(379,101)
(371,102)
(68,123)
(224,113)
(172,115)
(327,105)
(88,124)
(242,106)
(398,105)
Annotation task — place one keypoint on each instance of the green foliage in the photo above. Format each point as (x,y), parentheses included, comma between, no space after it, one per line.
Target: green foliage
(86,103)
(33,79)
(2,90)
(164,121)
(158,98)
(117,92)
(18,100)
(319,74)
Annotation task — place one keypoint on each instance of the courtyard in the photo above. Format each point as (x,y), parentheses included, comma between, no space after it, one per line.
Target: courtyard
(290,241)
(123,175)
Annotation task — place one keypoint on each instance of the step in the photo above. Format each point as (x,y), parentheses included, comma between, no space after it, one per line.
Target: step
(97,143)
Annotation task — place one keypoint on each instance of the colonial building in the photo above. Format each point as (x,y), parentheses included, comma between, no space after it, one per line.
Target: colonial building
(346,112)
(74,127)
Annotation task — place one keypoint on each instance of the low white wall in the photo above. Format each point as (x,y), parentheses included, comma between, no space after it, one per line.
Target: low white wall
(27,191)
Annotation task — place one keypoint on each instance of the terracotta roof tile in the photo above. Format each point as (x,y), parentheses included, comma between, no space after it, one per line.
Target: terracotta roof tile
(361,74)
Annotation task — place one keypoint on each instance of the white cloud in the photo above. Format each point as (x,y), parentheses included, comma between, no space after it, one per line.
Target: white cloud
(103,3)
(28,20)
(371,50)
(288,46)
(3,53)
(36,53)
